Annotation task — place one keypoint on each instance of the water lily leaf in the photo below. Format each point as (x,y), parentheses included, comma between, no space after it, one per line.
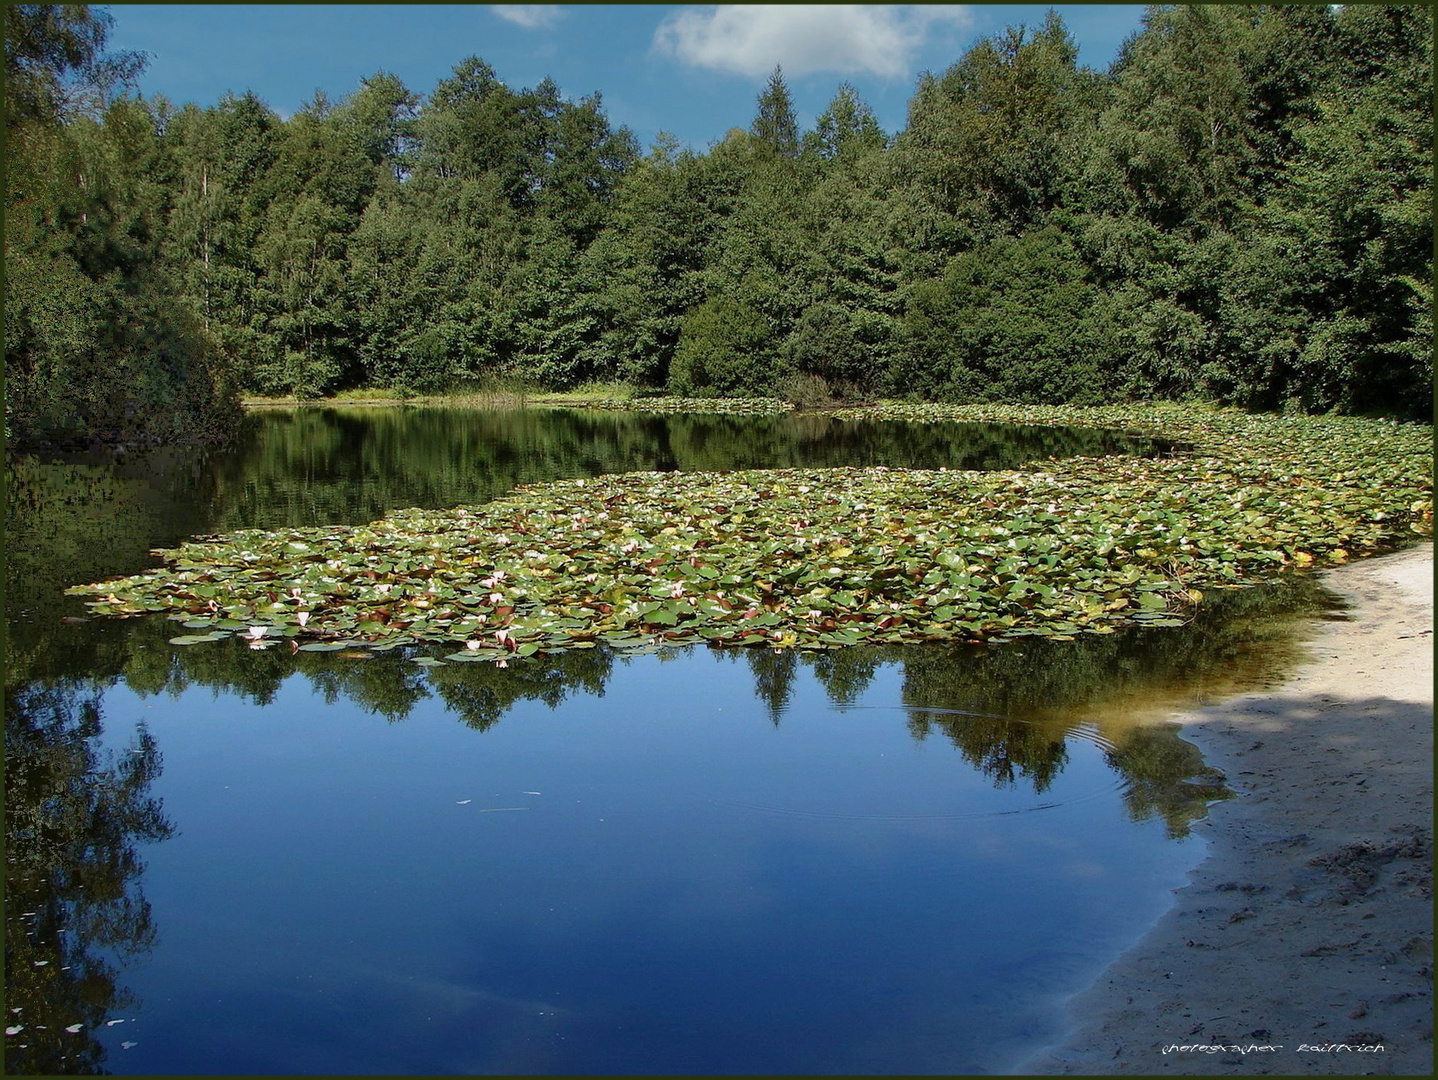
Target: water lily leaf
(198,639)
(829,557)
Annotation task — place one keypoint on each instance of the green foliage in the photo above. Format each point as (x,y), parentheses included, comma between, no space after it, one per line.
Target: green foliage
(1238,210)
(1175,145)
(55,61)
(724,349)
(992,142)
(1333,302)
(775,127)
(847,127)
(97,341)
(1010,321)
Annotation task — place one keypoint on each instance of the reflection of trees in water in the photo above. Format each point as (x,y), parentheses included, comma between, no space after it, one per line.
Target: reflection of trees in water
(1009,710)
(73,821)
(479,694)
(72,824)
(1004,750)
(1166,777)
(774,672)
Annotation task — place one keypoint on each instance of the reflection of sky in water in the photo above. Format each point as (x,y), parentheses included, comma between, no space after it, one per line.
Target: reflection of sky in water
(695,889)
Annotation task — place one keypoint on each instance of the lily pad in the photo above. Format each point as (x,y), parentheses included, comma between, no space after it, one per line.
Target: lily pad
(825,558)
(199,639)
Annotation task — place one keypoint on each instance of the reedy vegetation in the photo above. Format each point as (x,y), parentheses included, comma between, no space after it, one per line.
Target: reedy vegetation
(1237,210)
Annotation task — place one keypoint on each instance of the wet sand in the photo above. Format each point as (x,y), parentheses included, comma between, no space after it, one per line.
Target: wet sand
(1309,925)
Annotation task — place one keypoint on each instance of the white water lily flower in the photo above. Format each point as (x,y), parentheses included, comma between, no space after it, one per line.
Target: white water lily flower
(256,632)
(302,617)
(473,644)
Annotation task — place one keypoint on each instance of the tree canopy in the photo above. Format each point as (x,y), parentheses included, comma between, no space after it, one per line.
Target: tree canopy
(1238,209)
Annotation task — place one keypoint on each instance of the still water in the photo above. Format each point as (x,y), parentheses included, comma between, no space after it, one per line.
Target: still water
(870,860)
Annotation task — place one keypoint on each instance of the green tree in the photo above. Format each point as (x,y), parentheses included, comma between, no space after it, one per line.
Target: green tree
(1330,304)
(1175,146)
(723,351)
(1006,323)
(96,344)
(993,143)
(775,126)
(650,260)
(847,126)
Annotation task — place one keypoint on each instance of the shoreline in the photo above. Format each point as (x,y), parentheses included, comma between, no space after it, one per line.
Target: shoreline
(1310,921)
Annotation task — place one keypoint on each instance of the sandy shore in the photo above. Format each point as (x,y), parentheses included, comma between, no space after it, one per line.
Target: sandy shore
(1310,923)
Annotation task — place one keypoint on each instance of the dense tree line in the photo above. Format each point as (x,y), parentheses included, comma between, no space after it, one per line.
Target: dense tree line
(1238,209)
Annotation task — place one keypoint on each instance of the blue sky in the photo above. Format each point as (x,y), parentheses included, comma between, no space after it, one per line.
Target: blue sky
(692,70)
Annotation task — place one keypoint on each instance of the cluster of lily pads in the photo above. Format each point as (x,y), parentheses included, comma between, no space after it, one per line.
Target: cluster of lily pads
(729,406)
(822,558)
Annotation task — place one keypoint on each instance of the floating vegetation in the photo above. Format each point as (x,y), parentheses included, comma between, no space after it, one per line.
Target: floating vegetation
(734,406)
(821,558)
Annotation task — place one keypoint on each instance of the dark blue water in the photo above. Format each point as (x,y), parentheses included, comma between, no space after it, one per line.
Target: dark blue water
(874,860)
(658,880)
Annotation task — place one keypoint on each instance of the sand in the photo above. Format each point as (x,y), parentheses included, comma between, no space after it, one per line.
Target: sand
(1309,924)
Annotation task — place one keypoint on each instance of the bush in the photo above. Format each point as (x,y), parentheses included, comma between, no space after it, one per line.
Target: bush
(725,349)
(1006,322)
(804,391)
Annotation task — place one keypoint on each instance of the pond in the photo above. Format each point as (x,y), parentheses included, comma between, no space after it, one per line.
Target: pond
(892,859)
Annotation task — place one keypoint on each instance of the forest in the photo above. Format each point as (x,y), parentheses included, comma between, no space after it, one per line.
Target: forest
(1239,210)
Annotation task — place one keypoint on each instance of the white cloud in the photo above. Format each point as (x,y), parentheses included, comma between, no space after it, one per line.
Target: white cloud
(750,39)
(529,16)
